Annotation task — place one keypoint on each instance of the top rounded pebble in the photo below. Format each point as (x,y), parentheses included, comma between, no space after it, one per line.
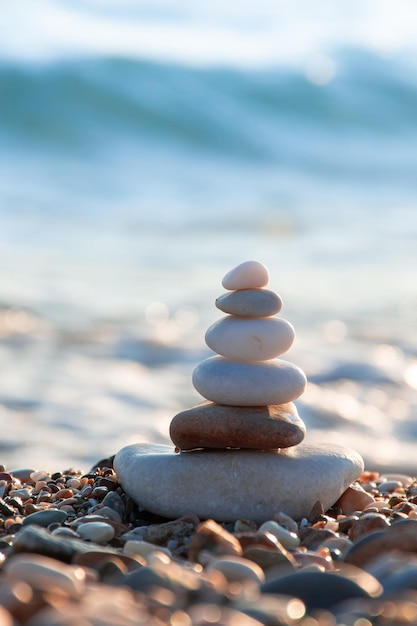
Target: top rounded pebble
(247,275)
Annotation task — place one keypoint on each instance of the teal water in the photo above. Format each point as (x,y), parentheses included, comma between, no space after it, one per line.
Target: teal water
(147,149)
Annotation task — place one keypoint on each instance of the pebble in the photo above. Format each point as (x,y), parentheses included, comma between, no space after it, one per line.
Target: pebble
(211,537)
(286,538)
(238,569)
(286,521)
(22,474)
(210,425)
(355,498)
(40,541)
(250,303)
(182,592)
(247,275)
(143,548)
(232,484)
(45,517)
(268,559)
(368,523)
(23,493)
(318,590)
(248,384)
(250,339)
(404,479)
(45,574)
(390,486)
(401,536)
(97,532)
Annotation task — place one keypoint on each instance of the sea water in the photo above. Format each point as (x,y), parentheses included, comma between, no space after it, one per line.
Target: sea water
(148,148)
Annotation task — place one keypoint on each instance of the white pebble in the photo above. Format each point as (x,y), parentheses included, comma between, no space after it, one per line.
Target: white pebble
(46,574)
(285,537)
(238,569)
(247,275)
(98,532)
(250,339)
(143,548)
(287,522)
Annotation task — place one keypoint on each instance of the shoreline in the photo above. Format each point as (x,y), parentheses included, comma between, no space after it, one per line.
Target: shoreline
(73,545)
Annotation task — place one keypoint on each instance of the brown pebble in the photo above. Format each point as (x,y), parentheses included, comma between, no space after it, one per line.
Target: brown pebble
(355,498)
(304,559)
(315,537)
(258,540)
(368,523)
(401,536)
(62,494)
(161,533)
(267,558)
(211,537)
(345,522)
(210,425)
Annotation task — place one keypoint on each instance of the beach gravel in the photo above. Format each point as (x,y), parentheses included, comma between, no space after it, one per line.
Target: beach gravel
(87,555)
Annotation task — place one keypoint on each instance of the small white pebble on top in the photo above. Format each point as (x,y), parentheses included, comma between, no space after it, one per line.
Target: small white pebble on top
(247,275)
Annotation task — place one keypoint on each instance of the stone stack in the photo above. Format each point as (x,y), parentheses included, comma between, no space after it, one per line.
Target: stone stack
(250,391)
(241,453)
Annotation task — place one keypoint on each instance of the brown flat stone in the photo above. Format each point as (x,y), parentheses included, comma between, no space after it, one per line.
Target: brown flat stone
(210,425)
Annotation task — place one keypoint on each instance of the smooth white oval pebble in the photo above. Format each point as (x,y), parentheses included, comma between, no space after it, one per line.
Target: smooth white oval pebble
(238,569)
(46,574)
(98,532)
(143,548)
(285,537)
(247,275)
(236,383)
(250,339)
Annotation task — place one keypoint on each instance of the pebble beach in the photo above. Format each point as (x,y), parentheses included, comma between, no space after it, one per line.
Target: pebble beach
(76,549)
(145,149)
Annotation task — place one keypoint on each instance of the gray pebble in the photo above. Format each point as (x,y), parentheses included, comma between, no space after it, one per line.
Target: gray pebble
(250,303)
(45,517)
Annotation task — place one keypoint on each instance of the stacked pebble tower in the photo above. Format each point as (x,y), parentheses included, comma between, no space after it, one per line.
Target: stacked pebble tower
(249,390)
(241,451)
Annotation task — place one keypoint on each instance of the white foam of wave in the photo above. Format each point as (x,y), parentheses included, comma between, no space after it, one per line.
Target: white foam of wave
(205,33)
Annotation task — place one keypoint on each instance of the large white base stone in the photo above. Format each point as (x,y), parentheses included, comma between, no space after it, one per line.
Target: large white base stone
(226,485)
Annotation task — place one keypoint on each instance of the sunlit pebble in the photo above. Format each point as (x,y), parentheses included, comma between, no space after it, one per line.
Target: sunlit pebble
(320,69)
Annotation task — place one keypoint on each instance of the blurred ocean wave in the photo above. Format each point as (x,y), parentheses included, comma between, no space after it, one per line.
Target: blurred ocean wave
(145,149)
